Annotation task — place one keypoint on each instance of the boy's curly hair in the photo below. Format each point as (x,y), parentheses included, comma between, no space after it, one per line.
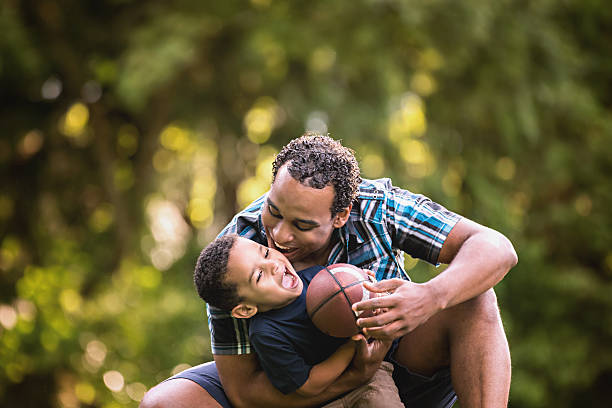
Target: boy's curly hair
(317,161)
(210,273)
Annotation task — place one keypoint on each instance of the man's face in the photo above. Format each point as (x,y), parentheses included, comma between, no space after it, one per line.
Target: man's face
(264,277)
(298,220)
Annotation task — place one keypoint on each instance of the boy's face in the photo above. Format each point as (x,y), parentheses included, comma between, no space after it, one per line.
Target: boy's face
(264,277)
(298,219)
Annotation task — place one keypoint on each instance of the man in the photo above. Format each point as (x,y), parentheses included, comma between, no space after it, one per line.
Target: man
(319,211)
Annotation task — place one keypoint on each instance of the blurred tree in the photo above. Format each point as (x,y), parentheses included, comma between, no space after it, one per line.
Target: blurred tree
(133,131)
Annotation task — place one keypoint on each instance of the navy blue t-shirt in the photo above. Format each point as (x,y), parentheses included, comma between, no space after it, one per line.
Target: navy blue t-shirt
(287,342)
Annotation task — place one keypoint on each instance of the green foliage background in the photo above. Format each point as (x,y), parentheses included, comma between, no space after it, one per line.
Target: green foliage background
(132,131)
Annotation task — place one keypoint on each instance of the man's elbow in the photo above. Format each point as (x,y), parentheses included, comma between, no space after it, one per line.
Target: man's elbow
(308,390)
(510,258)
(239,400)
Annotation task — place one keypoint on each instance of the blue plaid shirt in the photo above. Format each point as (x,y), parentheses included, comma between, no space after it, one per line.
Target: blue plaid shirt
(385,222)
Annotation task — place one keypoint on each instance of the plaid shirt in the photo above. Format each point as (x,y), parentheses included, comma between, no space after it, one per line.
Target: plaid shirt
(385,222)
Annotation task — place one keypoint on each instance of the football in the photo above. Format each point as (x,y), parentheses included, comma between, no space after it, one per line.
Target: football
(331,294)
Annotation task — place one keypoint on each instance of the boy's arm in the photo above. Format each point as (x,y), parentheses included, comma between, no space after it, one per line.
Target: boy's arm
(322,375)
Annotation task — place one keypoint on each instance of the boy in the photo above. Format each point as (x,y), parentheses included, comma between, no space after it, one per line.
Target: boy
(253,281)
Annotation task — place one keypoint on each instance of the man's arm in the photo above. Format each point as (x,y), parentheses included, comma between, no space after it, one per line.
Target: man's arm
(478,258)
(247,385)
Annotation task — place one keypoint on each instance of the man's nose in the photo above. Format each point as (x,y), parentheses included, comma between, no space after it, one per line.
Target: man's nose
(282,233)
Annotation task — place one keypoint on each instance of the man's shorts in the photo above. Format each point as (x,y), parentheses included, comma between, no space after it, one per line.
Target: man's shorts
(207,376)
(415,390)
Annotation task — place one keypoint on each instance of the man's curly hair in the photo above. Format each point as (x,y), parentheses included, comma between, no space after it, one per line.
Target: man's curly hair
(318,161)
(210,274)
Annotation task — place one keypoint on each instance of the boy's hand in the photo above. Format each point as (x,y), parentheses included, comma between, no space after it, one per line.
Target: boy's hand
(368,356)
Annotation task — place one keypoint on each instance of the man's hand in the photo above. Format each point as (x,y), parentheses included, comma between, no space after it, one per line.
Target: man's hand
(403,307)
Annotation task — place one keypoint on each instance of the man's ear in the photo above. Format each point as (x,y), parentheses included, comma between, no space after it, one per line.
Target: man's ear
(244,311)
(342,217)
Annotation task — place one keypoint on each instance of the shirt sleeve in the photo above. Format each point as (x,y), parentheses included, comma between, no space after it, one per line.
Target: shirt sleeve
(418,226)
(228,335)
(282,364)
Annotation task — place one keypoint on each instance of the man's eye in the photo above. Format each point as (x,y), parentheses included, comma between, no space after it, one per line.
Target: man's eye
(304,228)
(274,212)
(267,252)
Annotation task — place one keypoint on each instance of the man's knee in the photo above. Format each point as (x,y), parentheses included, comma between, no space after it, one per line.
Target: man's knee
(152,399)
(159,396)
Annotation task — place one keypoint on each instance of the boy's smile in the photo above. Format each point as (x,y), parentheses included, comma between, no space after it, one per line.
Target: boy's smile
(264,277)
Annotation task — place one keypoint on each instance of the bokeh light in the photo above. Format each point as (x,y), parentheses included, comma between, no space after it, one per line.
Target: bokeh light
(322,58)
(169,230)
(31,143)
(8,316)
(75,120)
(51,88)
(261,119)
(113,380)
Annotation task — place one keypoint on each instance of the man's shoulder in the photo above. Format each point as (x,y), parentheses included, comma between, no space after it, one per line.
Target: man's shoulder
(374,189)
(248,221)
(371,201)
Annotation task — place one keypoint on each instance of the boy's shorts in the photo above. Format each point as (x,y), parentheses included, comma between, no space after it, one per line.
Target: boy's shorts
(415,390)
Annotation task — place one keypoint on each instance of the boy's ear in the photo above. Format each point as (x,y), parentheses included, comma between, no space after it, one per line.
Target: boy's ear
(342,217)
(244,311)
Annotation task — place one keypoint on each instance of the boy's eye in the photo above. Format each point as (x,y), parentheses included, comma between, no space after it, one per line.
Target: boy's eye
(259,273)
(267,252)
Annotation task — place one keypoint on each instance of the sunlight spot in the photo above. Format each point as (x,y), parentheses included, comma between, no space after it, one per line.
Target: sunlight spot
(8,316)
(136,391)
(505,168)
(451,182)
(317,122)
(70,300)
(25,309)
(113,380)
(85,392)
(260,120)
(373,165)
(75,120)
(181,367)
(31,143)
(101,218)
(51,88)
(583,205)
(95,352)
(423,83)
(322,59)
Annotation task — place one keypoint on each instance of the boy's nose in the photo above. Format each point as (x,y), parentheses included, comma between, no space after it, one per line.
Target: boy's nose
(271,267)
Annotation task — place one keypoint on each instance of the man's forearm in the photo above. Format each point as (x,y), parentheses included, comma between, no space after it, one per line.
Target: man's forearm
(246,385)
(261,393)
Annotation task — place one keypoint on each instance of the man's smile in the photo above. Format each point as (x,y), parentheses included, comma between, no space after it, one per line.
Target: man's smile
(282,248)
